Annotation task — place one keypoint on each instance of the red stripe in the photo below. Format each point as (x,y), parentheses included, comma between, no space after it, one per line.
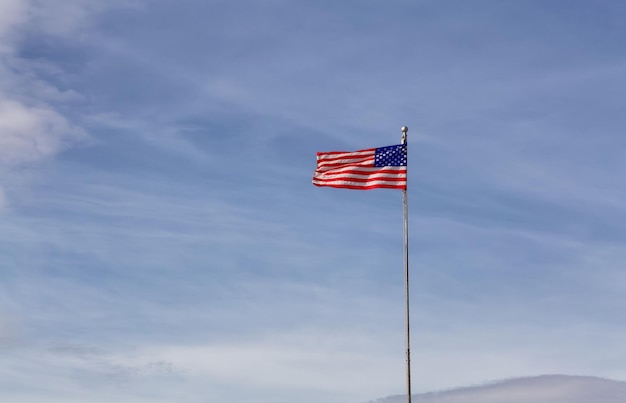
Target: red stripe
(364,164)
(371,176)
(361,180)
(362,171)
(345,156)
(345,152)
(380,186)
(347,162)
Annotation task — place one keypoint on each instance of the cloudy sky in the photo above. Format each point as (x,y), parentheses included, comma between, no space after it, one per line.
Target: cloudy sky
(161,240)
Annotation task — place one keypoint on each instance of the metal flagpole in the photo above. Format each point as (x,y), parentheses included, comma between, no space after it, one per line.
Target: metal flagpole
(406,279)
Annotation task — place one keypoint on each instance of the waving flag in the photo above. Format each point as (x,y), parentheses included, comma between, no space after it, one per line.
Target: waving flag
(383,167)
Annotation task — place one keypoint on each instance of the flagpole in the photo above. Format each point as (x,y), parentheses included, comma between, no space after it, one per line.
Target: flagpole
(406,279)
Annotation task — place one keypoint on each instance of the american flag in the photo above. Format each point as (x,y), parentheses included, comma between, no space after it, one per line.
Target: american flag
(383,167)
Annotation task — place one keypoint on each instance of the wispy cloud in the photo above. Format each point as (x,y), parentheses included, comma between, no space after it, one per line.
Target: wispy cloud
(30,134)
(35,125)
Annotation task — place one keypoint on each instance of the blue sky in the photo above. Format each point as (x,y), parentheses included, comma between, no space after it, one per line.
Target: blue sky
(162,240)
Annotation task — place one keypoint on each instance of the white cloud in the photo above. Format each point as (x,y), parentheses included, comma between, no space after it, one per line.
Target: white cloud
(29,134)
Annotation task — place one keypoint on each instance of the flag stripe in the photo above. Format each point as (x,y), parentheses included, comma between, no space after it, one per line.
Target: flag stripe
(363,181)
(345,160)
(358,185)
(342,163)
(360,170)
(378,175)
(340,154)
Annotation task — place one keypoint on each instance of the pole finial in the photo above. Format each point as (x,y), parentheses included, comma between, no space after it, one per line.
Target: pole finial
(404,132)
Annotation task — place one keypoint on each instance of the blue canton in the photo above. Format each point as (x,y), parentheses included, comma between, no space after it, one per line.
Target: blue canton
(391,156)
